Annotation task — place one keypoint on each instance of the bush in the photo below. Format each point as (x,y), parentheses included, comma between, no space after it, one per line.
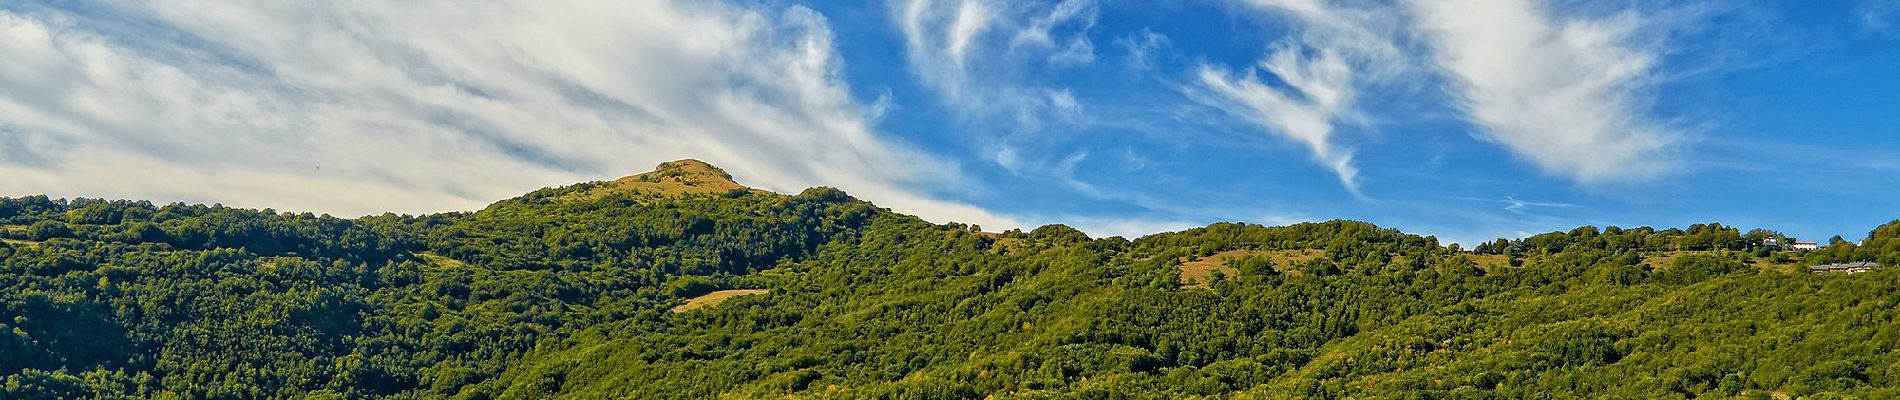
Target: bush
(1697,268)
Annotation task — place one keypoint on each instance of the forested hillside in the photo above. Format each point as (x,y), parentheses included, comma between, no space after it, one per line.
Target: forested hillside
(577,292)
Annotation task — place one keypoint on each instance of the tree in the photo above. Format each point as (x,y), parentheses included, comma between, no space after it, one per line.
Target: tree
(48,229)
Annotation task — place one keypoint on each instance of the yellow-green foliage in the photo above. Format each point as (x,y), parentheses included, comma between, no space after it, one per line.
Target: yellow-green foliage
(570,292)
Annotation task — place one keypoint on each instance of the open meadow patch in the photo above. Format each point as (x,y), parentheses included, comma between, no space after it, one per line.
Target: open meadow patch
(1198,273)
(715,298)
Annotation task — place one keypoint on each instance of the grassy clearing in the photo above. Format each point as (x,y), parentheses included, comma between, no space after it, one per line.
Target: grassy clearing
(674,178)
(16,230)
(1667,259)
(439,261)
(1489,262)
(1197,274)
(714,298)
(671,186)
(1286,260)
(667,189)
(1662,260)
(1769,264)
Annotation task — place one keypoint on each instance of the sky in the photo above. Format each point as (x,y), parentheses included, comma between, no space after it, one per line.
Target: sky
(1464,119)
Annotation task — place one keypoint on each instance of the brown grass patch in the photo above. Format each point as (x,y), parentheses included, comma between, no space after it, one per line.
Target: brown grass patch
(1667,259)
(683,176)
(439,261)
(1659,261)
(714,298)
(676,178)
(1769,264)
(1197,274)
(1489,262)
(1286,259)
(20,243)
(675,187)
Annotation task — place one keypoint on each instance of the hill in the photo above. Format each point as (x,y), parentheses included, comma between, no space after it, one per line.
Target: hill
(571,292)
(681,177)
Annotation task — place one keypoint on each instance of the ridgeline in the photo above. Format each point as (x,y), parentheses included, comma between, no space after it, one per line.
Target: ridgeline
(583,292)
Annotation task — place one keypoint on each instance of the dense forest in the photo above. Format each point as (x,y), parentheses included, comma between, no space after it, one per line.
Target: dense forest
(582,292)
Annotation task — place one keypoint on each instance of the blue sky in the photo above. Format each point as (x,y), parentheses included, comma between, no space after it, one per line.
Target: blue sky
(1465,119)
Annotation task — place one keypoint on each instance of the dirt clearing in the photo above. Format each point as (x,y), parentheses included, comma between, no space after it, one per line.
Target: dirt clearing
(714,298)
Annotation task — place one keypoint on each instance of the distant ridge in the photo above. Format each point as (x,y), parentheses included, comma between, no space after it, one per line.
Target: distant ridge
(661,285)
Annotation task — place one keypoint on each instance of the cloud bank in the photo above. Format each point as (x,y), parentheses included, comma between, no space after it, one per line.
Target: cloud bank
(355,108)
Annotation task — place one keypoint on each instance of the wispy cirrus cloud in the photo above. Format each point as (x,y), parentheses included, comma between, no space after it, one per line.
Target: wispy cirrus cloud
(1521,207)
(963,44)
(1316,94)
(355,108)
(1879,15)
(1141,48)
(1368,31)
(1315,77)
(982,58)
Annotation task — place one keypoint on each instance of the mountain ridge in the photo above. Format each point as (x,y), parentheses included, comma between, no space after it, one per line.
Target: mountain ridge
(571,292)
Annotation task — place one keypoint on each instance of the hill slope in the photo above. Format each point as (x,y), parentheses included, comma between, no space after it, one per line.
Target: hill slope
(568,292)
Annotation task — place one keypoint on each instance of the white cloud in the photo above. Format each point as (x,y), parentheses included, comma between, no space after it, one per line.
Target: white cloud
(1878,15)
(1566,94)
(1521,207)
(950,42)
(1039,35)
(980,56)
(1141,47)
(1317,93)
(1365,32)
(1335,53)
(434,105)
